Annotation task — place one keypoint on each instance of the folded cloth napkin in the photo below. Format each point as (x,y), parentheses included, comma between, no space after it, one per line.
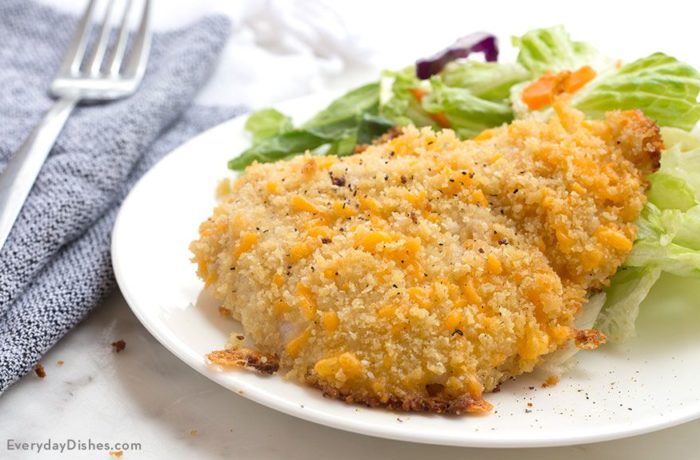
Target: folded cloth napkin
(55,266)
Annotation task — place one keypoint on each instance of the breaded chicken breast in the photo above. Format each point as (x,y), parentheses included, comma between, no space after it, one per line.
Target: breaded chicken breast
(423,272)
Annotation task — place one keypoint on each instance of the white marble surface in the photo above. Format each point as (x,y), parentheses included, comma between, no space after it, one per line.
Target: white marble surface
(145,395)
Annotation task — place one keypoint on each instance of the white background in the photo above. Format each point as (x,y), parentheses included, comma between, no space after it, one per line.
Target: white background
(146,395)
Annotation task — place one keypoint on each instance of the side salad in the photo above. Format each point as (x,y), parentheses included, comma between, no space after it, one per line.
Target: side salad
(468,96)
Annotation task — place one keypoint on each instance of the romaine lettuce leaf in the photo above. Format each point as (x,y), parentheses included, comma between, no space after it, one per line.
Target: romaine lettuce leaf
(670,192)
(627,289)
(267,123)
(668,239)
(337,129)
(664,88)
(398,101)
(552,49)
(470,102)
(350,105)
(486,80)
(468,114)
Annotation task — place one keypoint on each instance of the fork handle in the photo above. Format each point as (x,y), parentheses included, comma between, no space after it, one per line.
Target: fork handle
(21,171)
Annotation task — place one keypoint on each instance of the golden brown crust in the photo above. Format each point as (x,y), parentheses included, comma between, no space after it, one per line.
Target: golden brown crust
(464,404)
(245,358)
(427,270)
(589,339)
(639,137)
(389,135)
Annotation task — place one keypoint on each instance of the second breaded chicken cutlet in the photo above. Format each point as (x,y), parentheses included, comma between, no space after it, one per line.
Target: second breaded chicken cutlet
(423,272)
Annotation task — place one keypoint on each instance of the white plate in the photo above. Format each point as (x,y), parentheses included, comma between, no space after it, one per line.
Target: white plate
(647,384)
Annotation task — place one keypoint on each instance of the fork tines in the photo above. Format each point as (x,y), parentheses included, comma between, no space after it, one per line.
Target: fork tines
(75,65)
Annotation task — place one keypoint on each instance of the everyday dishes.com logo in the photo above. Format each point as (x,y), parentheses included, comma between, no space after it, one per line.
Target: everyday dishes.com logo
(70,445)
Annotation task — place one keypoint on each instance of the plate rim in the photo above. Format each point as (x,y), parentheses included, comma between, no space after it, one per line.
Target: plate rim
(195,361)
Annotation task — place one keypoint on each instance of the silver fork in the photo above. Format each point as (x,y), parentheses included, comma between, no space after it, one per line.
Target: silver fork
(79,80)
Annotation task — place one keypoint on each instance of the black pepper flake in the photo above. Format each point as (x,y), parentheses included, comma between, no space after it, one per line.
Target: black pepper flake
(404,179)
(481,250)
(386,177)
(240,337)
(515,191)
(325,240)
(503,242)
(458,332)
(338,181)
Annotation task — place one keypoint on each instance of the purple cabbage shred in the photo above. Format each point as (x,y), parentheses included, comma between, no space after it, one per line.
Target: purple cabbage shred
(478,42)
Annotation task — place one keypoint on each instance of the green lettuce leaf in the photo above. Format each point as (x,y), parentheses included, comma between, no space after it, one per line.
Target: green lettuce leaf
(664,88)
(350,119)
(627,289)
(468,114)
(670,192)
(541,50)
(350,105)
(267,123)
(398,102)
(683,140)
(371,127)
(277,147)
(486,80)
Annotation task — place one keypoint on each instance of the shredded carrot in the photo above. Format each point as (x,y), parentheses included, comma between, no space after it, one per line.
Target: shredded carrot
(542,91)
(418,93)
(439,117)
(578,79)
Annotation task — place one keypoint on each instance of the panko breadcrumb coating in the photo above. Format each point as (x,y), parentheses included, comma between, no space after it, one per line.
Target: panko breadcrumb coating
(425,271)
